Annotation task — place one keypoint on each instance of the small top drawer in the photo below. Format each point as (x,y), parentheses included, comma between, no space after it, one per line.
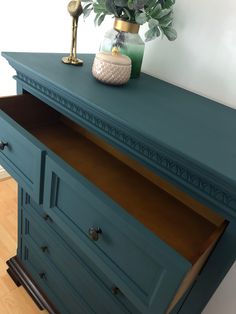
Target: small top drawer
(21,154)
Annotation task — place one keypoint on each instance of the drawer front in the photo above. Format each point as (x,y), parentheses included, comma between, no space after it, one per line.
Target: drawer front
(51,281)
(146,269)
(21,156)
(102,296)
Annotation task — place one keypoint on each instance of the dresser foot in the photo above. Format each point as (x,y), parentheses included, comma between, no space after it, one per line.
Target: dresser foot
(20,276)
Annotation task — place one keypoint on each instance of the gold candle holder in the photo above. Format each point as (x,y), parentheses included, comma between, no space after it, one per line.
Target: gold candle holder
(75,9)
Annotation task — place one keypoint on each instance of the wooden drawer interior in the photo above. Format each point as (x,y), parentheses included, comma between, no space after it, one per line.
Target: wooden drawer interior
(185,225)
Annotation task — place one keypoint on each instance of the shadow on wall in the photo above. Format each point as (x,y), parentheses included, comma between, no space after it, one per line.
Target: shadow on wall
(202,59)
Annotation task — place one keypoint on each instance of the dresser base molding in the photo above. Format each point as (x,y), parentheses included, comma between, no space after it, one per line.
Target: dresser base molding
(20,276)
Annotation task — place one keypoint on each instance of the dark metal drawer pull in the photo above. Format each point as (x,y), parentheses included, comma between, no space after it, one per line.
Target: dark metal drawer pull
(94,233)
(46,217)
(42,275)
(3,145)
(115,290)
(44,248)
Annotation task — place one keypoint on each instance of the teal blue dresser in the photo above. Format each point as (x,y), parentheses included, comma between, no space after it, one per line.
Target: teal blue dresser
(127,195)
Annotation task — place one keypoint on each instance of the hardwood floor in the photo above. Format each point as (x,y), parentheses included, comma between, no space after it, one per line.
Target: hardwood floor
(13,300)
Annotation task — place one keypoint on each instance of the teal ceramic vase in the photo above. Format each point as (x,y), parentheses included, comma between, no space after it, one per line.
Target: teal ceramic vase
(124,35)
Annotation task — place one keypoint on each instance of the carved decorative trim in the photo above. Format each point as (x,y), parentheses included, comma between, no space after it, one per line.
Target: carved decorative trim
(181,172)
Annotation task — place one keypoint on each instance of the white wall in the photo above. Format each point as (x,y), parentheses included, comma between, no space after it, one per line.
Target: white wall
(42,26)
(203,59)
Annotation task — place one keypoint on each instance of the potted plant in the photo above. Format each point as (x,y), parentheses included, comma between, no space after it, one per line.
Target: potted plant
(129,15)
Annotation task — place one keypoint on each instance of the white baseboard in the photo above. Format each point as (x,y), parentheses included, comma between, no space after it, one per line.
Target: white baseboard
(3,174)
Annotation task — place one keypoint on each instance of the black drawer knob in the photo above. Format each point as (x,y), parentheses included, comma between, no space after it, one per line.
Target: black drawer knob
(3,145)
(94,233)
(115,290)
(44,249)
(46,217)
(42,275)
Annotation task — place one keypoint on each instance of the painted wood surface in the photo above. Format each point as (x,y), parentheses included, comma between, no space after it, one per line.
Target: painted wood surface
(186,138)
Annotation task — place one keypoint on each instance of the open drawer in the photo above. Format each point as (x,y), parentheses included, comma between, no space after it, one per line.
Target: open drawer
(153,269)
(151,245)
(20,154)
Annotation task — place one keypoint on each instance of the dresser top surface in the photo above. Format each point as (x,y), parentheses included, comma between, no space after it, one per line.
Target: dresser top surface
(194,127)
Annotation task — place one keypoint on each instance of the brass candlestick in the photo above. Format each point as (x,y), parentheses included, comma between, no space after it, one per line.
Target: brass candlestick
(75,10)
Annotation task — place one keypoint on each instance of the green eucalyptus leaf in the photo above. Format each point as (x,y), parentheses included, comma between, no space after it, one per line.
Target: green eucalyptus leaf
(152,33)
(131,4)
(128,14)
(87,6)
(87,9)
(163,13)
(110,6)
(168,4)
(96,18)
(170,33)
(97,8)
(139,4)
(155,12)
(102,3)
(121,3)
(100,19)
(153,23)
(150,4)
(166,20)
(140,18)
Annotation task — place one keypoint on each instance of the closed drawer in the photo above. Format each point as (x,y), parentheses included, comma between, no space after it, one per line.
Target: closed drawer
(101,294)
(20,155)
(150,272)
(51,281)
